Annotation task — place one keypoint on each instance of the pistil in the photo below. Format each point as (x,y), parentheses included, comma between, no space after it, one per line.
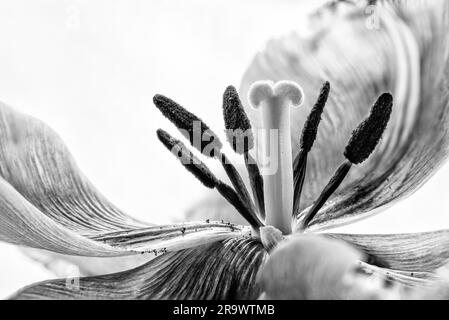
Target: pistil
(274,102)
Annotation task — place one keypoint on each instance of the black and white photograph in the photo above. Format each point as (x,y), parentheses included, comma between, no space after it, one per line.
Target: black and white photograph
(252,151)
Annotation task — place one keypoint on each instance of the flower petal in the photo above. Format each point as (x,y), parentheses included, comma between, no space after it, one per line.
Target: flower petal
(161,239)
(62,265)
(221,270)
(38,165)
(406,54)
(47,203)
(414,252)
(397,277)
(22,224)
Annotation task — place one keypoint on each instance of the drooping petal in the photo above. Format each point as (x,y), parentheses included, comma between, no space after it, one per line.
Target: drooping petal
(62,265)
(414,252)
(23,224)
(364,50)
(221,270)
(161,239)
(402,278)
(38,165)
(47,203)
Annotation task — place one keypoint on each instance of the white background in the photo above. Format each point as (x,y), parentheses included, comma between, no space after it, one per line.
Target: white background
(90,68)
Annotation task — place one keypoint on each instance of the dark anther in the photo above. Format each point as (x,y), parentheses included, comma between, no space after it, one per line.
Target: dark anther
(188,160)
(362,143)
(192,127)
(308,137)
(240,137)
(202,173)
(365,137)
(237,124)
(309,132)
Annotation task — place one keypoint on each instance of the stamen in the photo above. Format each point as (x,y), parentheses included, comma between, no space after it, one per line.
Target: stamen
(190,126)
(365,137)
(188,160)
(309,132)
(233,198)
(299,174)
(202,173)
(240,136)
(256,182)
(237,124)
(236,180)
(328,190)
(362,143)
(308,137)
(201,138)
(274,102)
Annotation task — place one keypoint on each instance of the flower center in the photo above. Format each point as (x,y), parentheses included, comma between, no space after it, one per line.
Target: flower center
(276,187)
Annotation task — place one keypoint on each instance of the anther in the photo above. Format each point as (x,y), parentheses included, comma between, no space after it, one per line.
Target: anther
(365,137)
(202,138)
(237,124)
(362,143)
(202,173)
(188,160)
(191,127)
(308,137)
(310,129)
(240,136)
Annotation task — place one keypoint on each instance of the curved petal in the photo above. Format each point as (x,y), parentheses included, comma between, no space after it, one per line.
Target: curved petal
(47,203)
(396,46)
(403,278)
(38,165)
(161,239)
(221,270)
(422,252)
(62,265)
(23,224)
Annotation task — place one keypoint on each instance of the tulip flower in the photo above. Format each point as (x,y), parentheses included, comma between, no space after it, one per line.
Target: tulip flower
(375,133)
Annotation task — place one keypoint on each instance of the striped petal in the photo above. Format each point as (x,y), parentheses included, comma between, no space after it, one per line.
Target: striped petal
(363,50)
(221,270)
(404,279)
(413,252)
(47,203)
(38,165)
(63,265)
